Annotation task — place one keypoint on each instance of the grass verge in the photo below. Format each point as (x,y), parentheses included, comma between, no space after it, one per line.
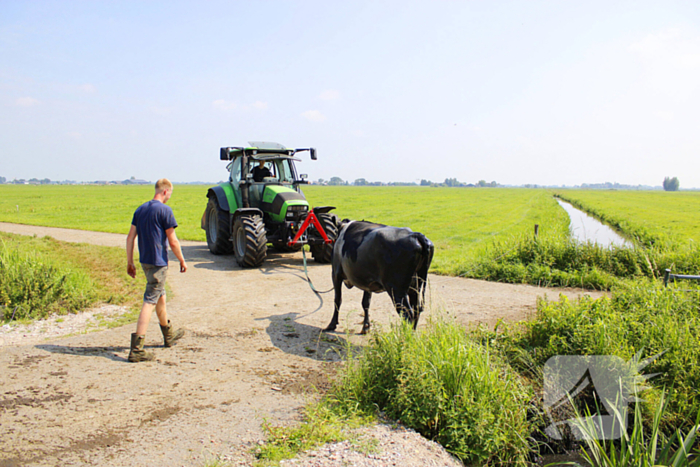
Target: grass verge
(444,385)
(321,425)
(639,316)
(42,276)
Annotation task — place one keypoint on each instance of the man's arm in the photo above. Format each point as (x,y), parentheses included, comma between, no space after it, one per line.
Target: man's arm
(130,268)
(175,246)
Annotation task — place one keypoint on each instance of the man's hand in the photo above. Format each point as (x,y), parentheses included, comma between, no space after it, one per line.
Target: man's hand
(183,266)
(130,268)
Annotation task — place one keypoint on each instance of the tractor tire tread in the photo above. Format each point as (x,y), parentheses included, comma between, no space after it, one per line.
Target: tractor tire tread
(256,241)
(222,245)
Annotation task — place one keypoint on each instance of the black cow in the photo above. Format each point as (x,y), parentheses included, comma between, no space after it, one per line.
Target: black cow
(377,258)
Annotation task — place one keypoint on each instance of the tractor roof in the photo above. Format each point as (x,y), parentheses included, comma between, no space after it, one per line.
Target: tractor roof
(266,145)
(258,149)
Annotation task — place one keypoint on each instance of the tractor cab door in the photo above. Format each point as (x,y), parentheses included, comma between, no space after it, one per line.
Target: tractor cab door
(235,179)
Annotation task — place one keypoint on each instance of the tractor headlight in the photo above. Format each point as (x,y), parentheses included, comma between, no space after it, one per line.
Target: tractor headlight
(296,209)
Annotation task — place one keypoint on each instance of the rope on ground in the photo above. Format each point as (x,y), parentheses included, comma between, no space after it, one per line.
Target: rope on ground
(318,293)
(308,279)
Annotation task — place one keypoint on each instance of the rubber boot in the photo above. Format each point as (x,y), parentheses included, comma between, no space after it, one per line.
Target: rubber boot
(137,354)
(170,335)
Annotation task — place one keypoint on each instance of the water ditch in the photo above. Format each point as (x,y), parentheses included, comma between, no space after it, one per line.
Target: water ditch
(585,228)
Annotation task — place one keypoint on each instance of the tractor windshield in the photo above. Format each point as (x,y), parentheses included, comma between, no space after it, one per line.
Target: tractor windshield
(280,169)
(284,170)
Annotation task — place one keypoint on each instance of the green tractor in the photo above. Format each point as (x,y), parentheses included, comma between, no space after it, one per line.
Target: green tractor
(261,204)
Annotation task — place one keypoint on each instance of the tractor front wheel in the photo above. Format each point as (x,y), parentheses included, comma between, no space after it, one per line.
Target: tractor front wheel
(323,253)
(249,240)
(218,229)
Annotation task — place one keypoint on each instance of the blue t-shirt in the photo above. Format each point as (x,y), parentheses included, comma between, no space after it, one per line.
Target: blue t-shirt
(152,219)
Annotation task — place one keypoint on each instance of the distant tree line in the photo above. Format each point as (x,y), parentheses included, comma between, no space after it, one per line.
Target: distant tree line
(47,181)
(32,181)
(337,181)
(671,184)
(453,182)
(449,182)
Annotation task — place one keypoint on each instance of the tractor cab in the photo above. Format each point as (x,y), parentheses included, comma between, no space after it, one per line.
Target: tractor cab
(261,204)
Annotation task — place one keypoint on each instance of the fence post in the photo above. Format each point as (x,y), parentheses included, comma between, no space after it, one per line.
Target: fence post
(537,229)
(667,276)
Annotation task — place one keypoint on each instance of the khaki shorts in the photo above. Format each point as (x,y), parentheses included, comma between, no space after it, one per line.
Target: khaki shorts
(155,287)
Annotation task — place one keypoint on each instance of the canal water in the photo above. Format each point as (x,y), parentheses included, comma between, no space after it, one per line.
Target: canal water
(585,228)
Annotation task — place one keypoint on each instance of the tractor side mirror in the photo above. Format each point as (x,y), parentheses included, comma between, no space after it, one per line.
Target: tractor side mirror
(313,154)
(224,155)
(304,176)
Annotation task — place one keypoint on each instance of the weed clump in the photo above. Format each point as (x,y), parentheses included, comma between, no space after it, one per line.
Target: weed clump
(42,276)
(445,386)
(34,286)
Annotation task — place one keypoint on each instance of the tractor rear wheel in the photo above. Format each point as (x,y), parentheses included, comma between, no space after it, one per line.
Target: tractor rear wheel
(218,229)
(249,240)
(323,253)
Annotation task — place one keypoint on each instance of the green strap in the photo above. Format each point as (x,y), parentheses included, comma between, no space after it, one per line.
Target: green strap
(308,279)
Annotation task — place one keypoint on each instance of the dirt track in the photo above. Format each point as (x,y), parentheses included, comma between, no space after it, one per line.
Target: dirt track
(251,352)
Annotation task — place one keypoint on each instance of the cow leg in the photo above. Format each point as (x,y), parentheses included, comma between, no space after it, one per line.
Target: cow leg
(403,307)
(365,306)
(338,286)
(414,302)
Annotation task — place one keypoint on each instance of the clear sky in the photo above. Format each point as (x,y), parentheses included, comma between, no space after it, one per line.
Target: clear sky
(560,92)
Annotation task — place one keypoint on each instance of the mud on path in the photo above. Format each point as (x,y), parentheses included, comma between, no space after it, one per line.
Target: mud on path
(252,352)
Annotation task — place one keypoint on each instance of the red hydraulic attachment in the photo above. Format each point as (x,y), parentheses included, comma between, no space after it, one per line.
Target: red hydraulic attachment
(310,218)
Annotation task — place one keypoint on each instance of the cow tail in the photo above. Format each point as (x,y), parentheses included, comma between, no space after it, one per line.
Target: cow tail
(428,249)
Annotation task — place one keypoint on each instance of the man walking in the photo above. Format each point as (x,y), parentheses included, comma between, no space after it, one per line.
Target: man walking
(153,223)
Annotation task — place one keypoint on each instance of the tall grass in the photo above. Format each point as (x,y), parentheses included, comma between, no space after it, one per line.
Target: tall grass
(639,446)
(554,260)
(638,316)
(445,386)
(32,286)
(41,276)
(560,261)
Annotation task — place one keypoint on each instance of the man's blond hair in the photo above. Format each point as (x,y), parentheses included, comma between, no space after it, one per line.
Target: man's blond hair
(163,184)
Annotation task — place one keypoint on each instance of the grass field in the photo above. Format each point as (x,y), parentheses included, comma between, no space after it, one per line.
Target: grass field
(461,222)
(482,233)
(98,208)
(652,216)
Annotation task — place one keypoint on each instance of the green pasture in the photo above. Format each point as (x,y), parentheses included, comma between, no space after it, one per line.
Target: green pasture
(461,222)
(100,208)
(650,216)
(480,233)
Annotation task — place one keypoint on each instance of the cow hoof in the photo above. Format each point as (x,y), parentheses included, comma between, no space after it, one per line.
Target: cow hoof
(365,330)
(330,328)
